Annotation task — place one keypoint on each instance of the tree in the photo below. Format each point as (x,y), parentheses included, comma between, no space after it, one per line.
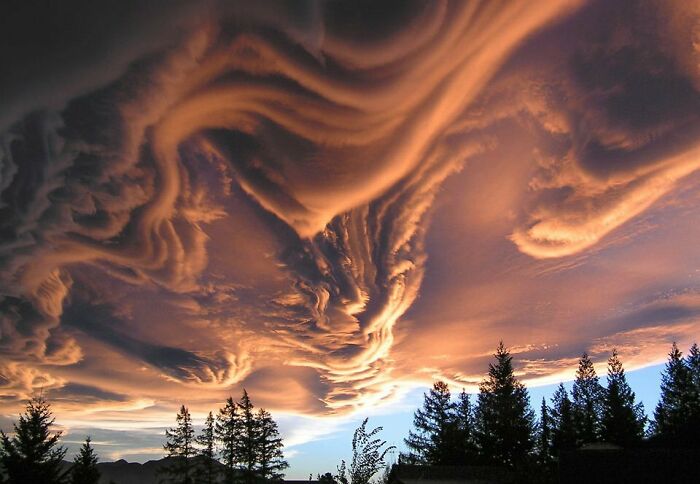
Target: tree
(564,431)
(207,442)
(226,431)
(367,456)
(622,420)
(180,449)
(271,461)
(326,478)
(693,418)
(587,397)
(430,443)
(544,436)
(504,419)
(465,447)
(32,454)
(246,444)
(671,412)
(84,469)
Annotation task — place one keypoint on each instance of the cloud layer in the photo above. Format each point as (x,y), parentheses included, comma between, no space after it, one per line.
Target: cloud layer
(335,201)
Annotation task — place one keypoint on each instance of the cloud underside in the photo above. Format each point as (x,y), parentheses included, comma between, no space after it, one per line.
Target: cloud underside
(258,198)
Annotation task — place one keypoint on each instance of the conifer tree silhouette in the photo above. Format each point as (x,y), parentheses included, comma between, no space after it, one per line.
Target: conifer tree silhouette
(431,439)
(693,417)
(544,435)
(207,443)
(227,433)
(84,469)
(564,431)
(587,402)
(32,454)
(180,449)
(504,419)
(465,447)
(671,413)
(246,444)
(622,420)
(271,461)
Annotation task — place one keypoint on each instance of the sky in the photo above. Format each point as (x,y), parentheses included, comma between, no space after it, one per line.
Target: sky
(333,204)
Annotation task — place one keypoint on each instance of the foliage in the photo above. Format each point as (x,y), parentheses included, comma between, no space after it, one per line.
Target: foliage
(430,443)
(622,420)
(271,461)
(226,431)
(367,456)
(587,402)
(544,436)
(84,469)
(465,450)
(180,449)
(207,443)
(32,454)
(564,431)
(504,419)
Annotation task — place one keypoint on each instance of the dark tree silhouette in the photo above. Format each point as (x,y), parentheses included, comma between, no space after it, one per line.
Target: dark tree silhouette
(564,431)
(431,441)
(271,461)
(180,449)
(32,454)
(246,444)
(227,430)
(367,456)
(544,435)
(465,447)
(587,399)
(207,451)
(504,419)
(622,420)
(326,478)
(84,469)
(671,413)
(693,418)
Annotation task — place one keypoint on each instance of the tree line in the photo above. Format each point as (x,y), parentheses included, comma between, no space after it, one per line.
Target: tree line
(246,441)
(501,429)
(32,453)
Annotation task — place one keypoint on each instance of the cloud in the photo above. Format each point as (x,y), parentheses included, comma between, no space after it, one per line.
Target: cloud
(328,204)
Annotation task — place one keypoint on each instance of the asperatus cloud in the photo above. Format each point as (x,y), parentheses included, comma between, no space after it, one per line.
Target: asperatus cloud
(217,195)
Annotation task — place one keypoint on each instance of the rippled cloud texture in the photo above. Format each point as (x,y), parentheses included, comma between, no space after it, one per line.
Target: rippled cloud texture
(326,203)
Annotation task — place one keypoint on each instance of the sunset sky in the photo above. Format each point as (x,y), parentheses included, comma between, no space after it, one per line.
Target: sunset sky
(333,204)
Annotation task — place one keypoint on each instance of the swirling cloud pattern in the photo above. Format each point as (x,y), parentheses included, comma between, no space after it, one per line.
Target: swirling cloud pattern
(338,200)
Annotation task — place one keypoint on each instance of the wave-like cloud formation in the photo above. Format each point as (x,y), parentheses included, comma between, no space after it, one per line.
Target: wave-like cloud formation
(247,202)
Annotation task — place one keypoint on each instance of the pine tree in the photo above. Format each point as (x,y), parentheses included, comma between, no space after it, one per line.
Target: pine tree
(207,442)
(227,430)
(84,469)
(180,449)
(693,417)
(587,399)
(367,456)
(430,443)
(246,443)
(32,454)
(670,414)
(504,419)
(270,458)
(465,447)
(564,431)
(622,420)
(544,435)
